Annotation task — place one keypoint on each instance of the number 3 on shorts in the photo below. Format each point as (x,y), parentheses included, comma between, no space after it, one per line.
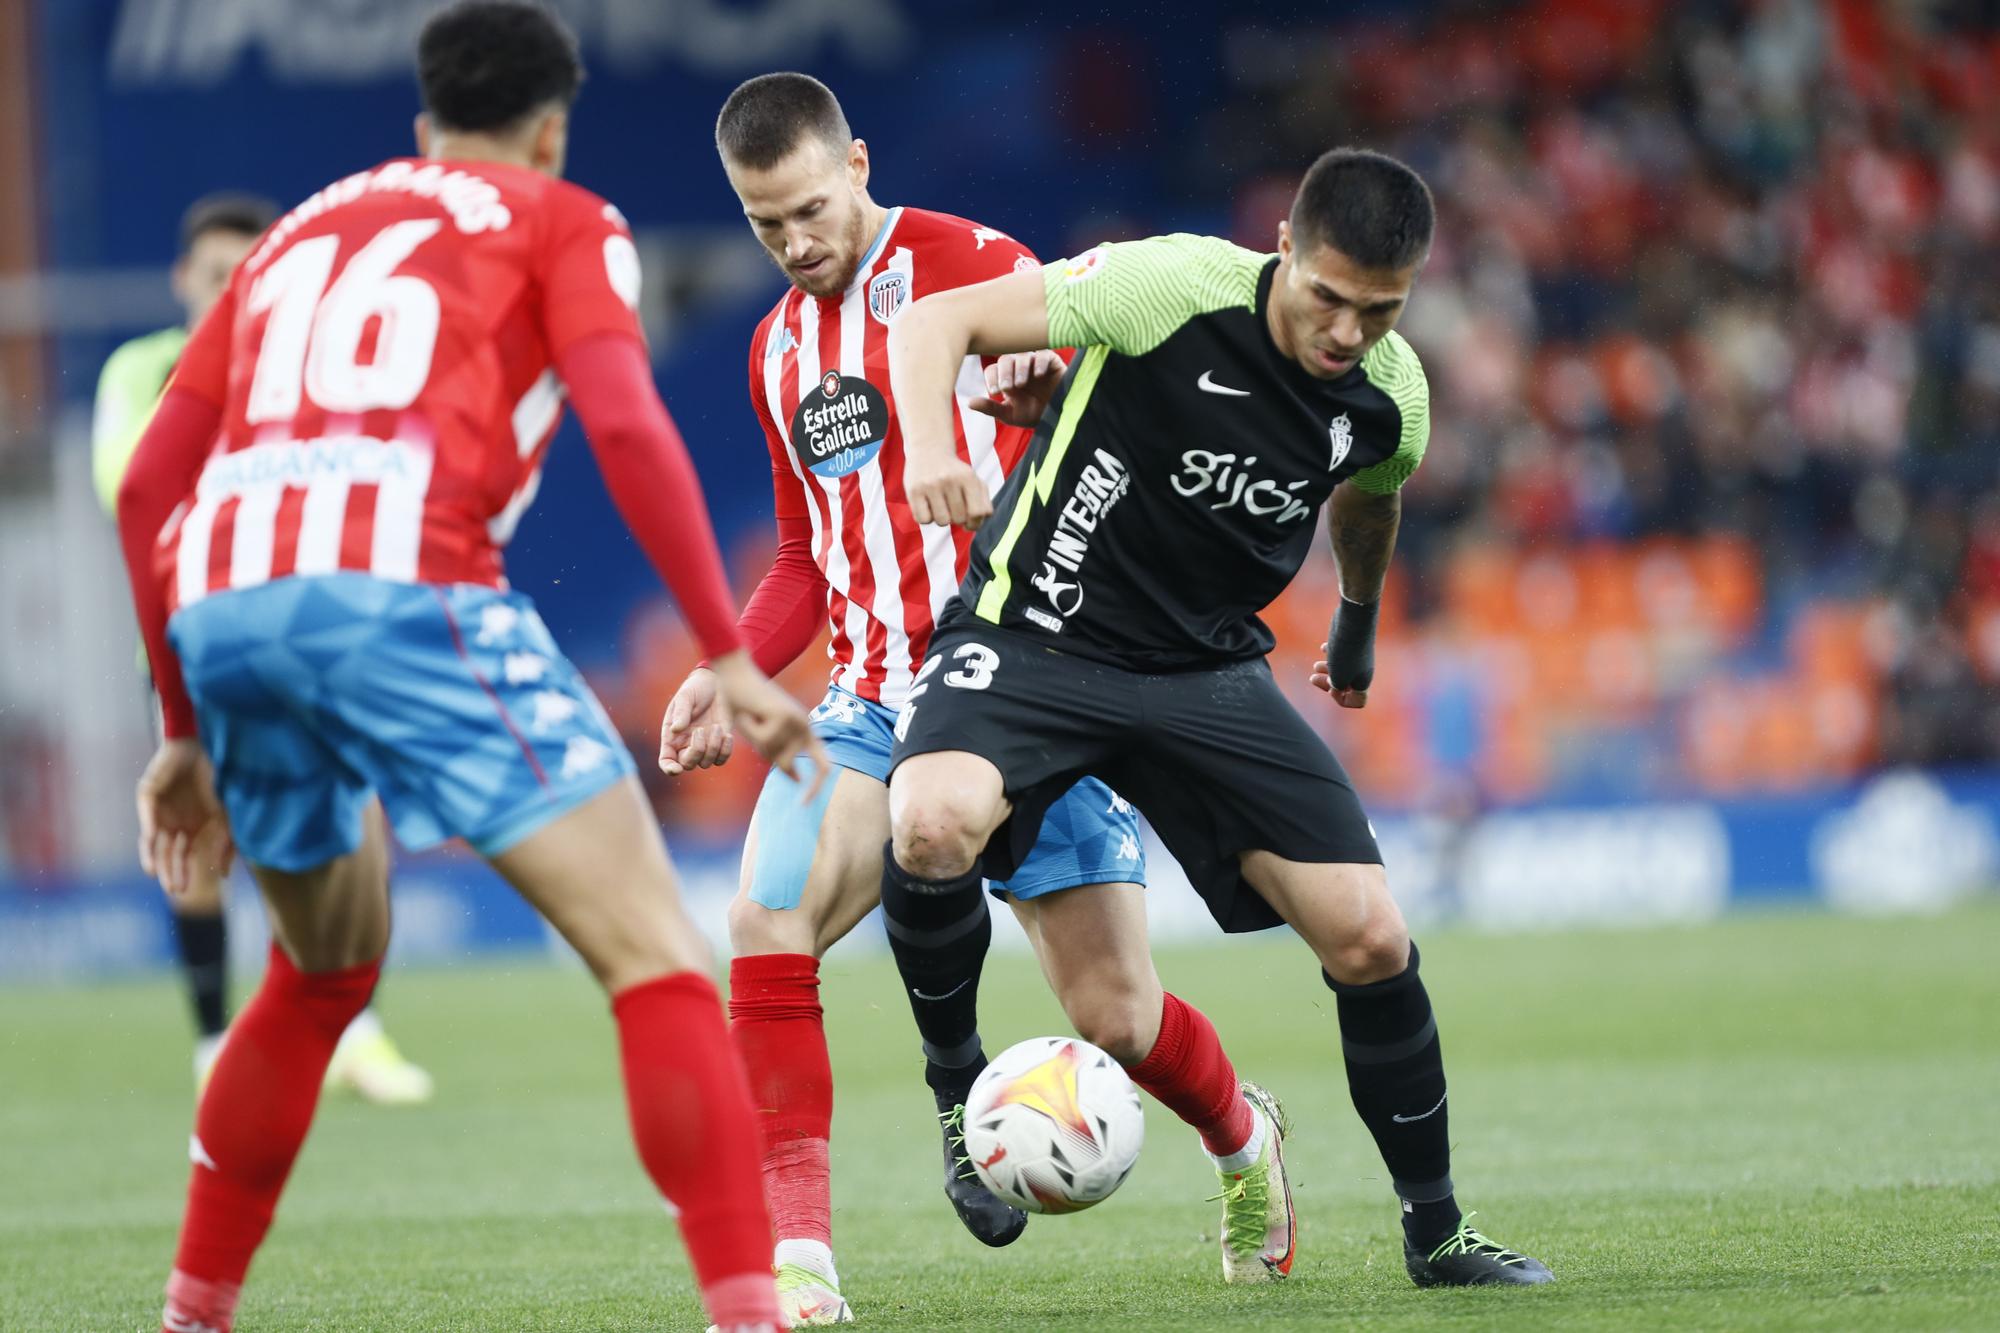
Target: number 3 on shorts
(976,673)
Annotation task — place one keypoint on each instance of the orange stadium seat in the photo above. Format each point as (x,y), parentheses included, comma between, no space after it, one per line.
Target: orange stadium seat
(1479,589)
(1726,570)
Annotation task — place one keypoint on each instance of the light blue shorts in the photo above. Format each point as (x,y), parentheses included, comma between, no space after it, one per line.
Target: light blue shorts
(1090,836)
(451,703)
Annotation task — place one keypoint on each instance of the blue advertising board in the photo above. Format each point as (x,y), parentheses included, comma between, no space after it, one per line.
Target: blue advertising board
(1902,842)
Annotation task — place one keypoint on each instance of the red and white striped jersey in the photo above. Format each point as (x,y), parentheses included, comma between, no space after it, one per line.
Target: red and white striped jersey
(384,361)
(819,377)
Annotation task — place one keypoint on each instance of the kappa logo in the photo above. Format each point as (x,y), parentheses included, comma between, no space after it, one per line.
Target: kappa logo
(497,622)
(584,754)
(838,708)
(1342,432)
(781,344)
(984,234)
(523,668)
(886,294)
(1065,597)
(552,709)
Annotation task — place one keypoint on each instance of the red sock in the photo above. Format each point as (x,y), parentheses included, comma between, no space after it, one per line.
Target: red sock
(1189,1074)
(691,1120)
(775,1022)
(251,1121)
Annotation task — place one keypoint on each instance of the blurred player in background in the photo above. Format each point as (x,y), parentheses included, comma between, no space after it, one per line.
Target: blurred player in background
(1108,626)
(216,234)
(849,551)
(313,524)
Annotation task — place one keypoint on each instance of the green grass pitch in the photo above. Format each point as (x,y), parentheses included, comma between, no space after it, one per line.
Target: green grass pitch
(1780,1121)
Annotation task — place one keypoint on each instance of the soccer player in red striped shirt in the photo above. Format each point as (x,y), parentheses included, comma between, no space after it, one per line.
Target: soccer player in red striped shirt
(852,559)
(313,526)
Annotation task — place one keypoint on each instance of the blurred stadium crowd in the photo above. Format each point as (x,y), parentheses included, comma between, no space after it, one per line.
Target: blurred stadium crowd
(1712,502)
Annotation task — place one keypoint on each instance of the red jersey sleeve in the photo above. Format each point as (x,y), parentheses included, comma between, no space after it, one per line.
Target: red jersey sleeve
(788,609)
(651,479)
(787,491)
(589,272)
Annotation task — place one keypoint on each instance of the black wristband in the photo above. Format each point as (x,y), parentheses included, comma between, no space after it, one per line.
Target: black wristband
(1350,656)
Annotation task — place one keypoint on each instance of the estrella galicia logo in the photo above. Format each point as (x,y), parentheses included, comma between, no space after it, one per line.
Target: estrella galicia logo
(839,427)
(886,293)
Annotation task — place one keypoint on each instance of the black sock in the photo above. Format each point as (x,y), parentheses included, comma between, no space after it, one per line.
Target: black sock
(1395,1073)
(939,930)
(204,946)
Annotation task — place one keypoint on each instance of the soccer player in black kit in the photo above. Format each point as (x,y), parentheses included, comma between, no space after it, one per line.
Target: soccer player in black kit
(1108,625)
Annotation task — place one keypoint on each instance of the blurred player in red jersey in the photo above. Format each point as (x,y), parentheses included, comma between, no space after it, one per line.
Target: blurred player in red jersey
(313,525)
(850,554)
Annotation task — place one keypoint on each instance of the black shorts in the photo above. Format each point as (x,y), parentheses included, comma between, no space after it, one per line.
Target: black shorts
(1217,759)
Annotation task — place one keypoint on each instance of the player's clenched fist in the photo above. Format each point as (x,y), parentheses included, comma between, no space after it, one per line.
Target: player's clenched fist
(1020,386)
(1348,667)
(945,490)
(770,719)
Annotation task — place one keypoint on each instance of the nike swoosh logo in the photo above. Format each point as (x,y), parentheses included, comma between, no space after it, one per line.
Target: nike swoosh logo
(1208,385)
(946,996)
(1412,1119)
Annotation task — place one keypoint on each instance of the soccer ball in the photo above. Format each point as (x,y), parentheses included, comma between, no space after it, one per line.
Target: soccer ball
(1053,1125)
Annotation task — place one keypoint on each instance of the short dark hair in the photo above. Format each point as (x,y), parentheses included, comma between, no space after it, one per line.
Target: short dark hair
(1367,205)
(228,210)
(488,64)
(765,118)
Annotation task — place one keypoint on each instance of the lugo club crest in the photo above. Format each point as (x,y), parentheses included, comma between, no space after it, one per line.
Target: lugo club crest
(840,425)
(887,291)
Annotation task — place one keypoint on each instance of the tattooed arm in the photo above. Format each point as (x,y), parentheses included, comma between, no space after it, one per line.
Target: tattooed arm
(1363,526)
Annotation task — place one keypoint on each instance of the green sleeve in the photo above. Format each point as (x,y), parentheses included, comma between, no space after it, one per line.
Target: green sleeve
(1130,296)
(1392,366)
(128,389)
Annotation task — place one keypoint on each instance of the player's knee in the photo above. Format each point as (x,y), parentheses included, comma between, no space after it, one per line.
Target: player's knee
(757,929)
(1380,949)
(1119,1024)
(937,835)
